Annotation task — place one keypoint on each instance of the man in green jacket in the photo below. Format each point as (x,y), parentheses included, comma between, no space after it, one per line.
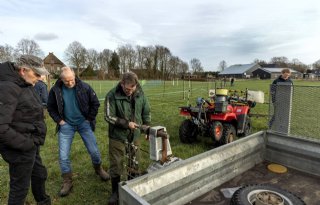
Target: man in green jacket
(126,109)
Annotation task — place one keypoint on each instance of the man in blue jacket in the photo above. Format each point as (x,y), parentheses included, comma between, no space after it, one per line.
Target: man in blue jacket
(42,90)
(22,129)
(74,105)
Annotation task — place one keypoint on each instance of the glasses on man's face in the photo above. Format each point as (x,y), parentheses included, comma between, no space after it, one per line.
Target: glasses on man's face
(129,89)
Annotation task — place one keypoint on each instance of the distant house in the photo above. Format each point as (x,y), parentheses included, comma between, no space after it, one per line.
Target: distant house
(188,76)
(316,72)
(272,73)
(53,64)
(239,71)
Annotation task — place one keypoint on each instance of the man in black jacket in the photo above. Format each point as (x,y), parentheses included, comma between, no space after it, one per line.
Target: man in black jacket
(74,105)
(283,79)
(22,129)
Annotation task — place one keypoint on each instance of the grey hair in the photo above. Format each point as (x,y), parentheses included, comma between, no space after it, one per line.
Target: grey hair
(129,78)
(65,70)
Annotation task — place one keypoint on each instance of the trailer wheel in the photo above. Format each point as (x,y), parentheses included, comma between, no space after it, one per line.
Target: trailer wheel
(229,134)
(247,127)
(251,194)
(188,132)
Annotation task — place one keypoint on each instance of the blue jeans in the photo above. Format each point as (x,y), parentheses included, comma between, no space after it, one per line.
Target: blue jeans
(66,135)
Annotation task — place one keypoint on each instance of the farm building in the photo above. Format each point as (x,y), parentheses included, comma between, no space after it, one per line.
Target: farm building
(52,63)
(316,72)
(239,71)
(272,73)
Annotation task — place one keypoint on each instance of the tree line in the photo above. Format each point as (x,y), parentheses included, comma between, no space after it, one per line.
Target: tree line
(154,61)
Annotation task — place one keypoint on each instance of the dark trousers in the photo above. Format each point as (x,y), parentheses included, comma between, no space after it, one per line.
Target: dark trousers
(121,155)
(23,168)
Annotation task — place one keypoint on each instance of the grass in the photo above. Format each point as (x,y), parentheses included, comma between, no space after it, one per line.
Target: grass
(165,100)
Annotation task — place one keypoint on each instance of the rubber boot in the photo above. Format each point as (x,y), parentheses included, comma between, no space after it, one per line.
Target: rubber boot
(100,171)
(114,199)
(67,184)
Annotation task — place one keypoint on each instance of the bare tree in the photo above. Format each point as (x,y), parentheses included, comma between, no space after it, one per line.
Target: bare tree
(140,56)
(29,47)
(297,65)
(183,67)
(222,65)
(6,53)
(76,54)
(146,59)
(163,55)
(196,65)
(316,65)
(171,68)
(127,57)
(92,59)
(281,62)
(260,62)
(103,62)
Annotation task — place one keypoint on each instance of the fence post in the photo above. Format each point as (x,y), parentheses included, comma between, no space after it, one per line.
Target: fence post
(282,108)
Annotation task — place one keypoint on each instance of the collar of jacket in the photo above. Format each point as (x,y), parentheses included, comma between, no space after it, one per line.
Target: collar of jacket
(59,82)
(119,94)
(9,72)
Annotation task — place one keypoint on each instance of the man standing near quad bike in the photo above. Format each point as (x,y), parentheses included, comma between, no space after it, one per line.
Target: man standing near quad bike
(126,108)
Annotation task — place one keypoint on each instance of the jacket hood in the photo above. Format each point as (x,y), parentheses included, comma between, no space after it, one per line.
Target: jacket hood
(8,72)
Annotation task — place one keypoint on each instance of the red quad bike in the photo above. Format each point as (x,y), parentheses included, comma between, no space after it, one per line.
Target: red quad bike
(223,118)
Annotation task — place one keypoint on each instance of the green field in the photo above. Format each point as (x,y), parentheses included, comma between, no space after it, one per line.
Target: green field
(165,98)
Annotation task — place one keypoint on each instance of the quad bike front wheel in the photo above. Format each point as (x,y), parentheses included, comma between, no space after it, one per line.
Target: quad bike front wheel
(215,131)
(188,132)
(264,194)
(229,134)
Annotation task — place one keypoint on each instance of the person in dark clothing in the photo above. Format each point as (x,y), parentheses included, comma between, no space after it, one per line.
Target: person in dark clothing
(284,78)
(42,90)
(231,81)
(22,129)
(74,105)
(126,108)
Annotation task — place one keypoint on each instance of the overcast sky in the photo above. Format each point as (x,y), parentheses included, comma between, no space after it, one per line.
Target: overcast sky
(237,31)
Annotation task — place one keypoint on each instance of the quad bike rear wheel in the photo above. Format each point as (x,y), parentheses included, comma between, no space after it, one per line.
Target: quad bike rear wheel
(188,132)
(251,195)
(229,134)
